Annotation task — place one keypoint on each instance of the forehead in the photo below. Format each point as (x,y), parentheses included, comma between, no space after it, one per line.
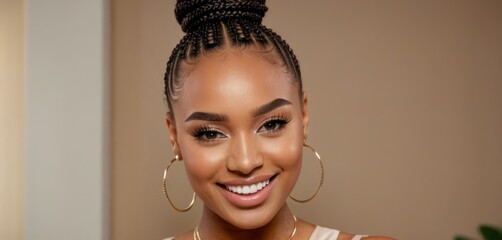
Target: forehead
(233,80)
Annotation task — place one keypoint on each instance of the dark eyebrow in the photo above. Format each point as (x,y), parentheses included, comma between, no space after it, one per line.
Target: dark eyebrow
(211,117)
(215,117)
(270,106)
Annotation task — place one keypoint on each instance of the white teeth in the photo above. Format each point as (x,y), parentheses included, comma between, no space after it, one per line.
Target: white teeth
(245,189)
(249,189)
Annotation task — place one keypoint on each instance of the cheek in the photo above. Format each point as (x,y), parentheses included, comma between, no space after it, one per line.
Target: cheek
(285,153)
(288,149)
(202,163)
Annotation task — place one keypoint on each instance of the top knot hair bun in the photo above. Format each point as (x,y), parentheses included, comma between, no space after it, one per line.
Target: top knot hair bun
(192,14)
(218,24)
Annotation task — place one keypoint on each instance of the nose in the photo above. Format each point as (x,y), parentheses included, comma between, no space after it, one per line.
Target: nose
(244,155)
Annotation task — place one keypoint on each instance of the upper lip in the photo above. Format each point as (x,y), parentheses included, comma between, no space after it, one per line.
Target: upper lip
(247,181)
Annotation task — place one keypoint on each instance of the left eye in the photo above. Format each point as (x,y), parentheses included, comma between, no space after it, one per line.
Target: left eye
(273,125)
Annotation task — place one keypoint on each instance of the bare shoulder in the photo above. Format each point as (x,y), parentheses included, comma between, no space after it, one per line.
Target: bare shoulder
(184,236)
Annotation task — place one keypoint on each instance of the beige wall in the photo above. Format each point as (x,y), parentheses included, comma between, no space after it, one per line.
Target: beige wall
(11,119)
(405,101)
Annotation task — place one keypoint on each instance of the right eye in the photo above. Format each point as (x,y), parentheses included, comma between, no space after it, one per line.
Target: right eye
(207,134)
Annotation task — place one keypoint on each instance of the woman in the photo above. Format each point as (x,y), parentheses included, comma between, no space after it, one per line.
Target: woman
(238,120)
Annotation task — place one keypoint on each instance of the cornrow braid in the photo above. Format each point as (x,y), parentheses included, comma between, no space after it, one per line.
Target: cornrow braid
(191,14)
(286,51)
(210,24)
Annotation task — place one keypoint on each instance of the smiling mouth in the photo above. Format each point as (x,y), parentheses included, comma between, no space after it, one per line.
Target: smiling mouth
(248,189)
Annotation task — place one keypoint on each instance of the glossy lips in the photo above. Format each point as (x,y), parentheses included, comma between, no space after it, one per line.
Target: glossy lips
(248,195)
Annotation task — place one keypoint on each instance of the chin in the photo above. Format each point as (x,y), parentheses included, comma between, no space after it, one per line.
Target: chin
(254,218)
(250,222)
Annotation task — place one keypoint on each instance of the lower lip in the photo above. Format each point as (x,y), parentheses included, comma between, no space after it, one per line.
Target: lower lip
(248,200)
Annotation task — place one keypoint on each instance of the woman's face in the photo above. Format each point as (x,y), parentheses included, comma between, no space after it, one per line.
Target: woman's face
(239,126)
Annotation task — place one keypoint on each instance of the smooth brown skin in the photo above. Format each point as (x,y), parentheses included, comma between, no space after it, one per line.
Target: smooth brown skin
(235,83)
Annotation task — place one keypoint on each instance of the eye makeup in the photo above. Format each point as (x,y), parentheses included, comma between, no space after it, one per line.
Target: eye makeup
(274,124)
(207,133)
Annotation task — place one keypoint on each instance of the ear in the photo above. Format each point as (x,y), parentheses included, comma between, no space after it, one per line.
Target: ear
(305,113)
(173,133)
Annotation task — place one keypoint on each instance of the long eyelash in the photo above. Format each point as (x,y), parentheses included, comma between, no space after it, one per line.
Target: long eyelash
(198,132)
(280,117)
(284,120)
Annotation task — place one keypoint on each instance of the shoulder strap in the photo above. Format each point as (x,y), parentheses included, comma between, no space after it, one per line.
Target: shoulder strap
(359,237)
(324,233)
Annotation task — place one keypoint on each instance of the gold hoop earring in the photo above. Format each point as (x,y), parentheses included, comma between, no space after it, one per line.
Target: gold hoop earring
(164,183)
(322,177)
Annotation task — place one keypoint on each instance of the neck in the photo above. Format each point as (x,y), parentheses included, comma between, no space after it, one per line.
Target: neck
(279,227)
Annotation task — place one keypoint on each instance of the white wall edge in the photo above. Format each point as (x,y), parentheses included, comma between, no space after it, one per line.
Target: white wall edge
(67,119)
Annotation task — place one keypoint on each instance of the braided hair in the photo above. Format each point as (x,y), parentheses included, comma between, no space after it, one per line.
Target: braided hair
(210,24)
